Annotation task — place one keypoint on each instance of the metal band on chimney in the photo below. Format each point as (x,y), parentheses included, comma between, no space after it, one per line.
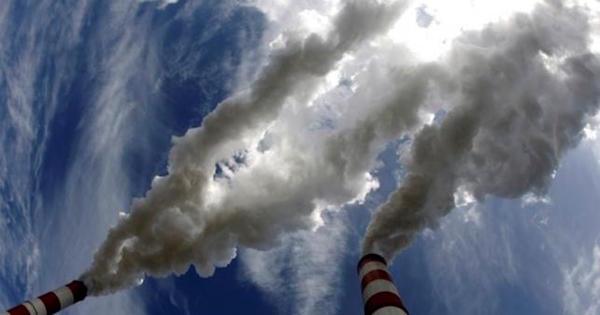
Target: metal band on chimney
(379,293)
(39,307)
(65,296)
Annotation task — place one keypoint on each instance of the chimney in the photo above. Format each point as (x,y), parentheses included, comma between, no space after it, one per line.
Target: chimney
(380,296)
(51,302)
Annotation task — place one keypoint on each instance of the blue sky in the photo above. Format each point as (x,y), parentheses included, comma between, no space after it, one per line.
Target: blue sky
(92,92)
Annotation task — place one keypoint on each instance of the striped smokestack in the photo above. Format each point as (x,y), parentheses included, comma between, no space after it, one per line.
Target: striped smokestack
(379,293)
(52,302)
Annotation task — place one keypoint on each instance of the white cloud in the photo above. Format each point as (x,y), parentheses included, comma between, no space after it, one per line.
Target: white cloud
(499,152)
(161,3)
(120,303)
(473,215)
(286,16)
(273,192)
(466,262)
(531,199)
(96,186)
(533,249)
(84,204)
(20,161)
(448,20)
(302,276)
(307,254)
(581,285)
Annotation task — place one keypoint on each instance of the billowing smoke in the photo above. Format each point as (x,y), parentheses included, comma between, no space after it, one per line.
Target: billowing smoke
(510,100)
(182,220)
(522,92)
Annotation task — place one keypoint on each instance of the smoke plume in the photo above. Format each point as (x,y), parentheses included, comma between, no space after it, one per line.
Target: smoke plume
(181,220)
(511,99)
(522,93)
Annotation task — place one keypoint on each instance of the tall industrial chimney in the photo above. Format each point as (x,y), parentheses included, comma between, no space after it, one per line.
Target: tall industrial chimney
(379,293)
(52,302)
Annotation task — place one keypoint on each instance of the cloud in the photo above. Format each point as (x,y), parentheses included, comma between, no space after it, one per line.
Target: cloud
(22,126)
(581,284)
(510,120)
(55,222)
(322,140)
(514,259)
(213,211)
(302,275)
(254,161)
(121,303)
(161,3)
(291,16)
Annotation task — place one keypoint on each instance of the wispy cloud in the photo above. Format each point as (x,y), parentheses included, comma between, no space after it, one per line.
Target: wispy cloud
(161,3)
(304,274)
(581,285)
(19,120)
(96,186)
(48,237)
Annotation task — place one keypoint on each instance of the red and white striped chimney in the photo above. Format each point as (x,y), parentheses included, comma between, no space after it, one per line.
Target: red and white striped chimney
(52,302)
(379,293)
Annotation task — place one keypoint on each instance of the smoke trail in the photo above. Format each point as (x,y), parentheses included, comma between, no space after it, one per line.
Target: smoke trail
(175,225)
(524,91)
(517,96)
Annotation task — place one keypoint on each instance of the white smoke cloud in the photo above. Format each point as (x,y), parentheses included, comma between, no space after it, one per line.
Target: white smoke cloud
(305,16)
(199,215)
(306,133)
(512,116)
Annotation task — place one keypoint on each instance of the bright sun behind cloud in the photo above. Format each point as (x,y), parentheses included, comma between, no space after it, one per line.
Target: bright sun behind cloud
(429,26)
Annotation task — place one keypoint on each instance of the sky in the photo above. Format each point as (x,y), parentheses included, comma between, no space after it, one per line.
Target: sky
(92,93)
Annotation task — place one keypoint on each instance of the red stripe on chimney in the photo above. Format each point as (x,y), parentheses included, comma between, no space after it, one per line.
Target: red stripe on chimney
(377,274)
(381,300)
(369,258)
(19,310)
(51,302)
